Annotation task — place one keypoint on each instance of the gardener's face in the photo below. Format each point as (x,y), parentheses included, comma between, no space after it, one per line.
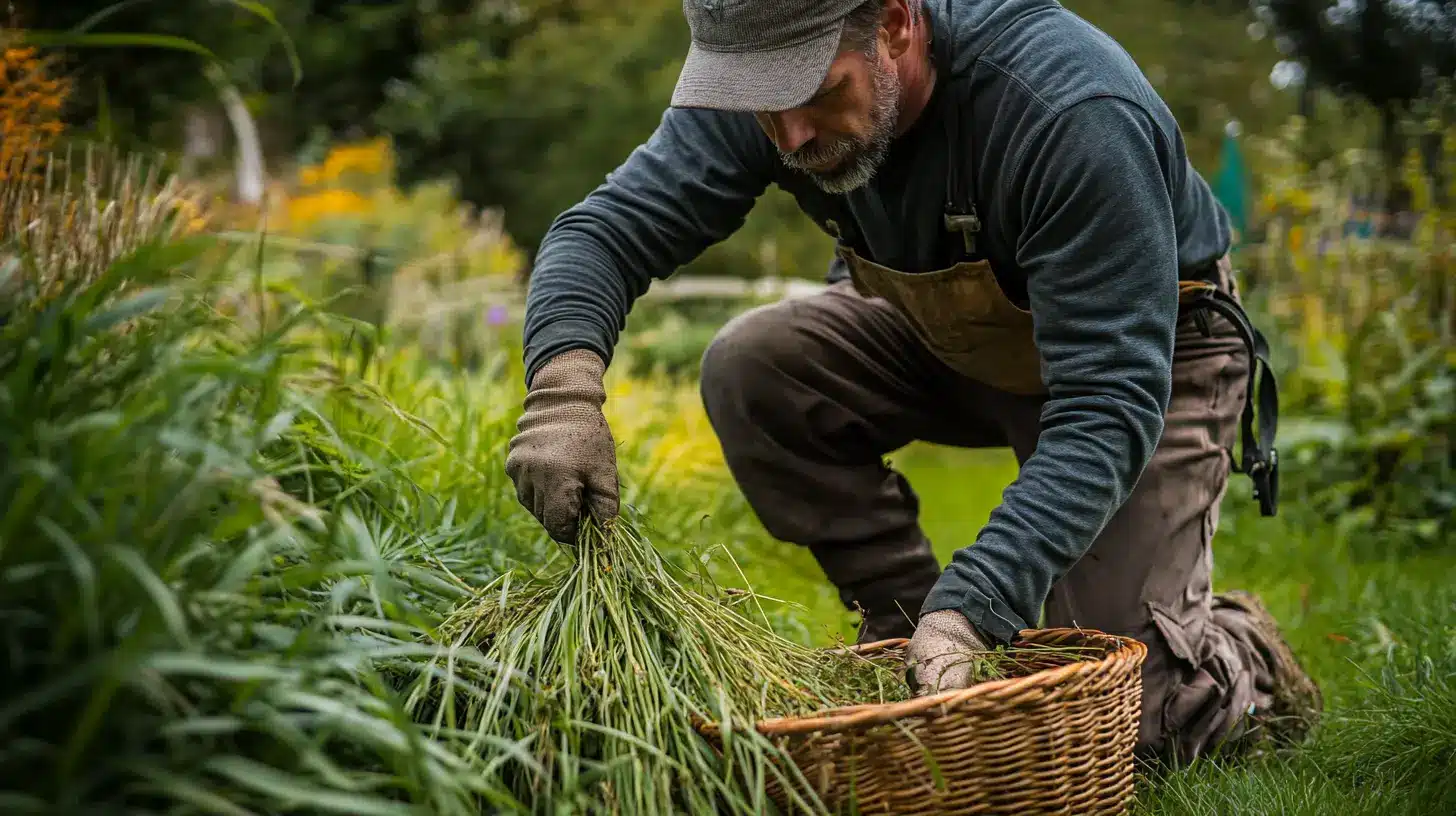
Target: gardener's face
(840,136)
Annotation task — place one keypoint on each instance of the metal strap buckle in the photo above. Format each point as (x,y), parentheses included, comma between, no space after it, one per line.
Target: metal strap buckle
(967,225)
(1264,472)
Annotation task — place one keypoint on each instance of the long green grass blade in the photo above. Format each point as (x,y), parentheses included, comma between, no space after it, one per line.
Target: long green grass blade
(65,39)
(266,14)
(294,793)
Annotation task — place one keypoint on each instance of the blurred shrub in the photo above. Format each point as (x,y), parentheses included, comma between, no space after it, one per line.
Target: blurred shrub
(352,198)
(1360,305)
(416,261)
(673,347)
(667,338)
(1389,53)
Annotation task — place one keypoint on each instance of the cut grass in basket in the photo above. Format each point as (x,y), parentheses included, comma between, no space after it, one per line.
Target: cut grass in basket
(625,656)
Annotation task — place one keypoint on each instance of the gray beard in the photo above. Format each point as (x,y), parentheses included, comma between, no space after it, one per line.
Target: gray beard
(861,157)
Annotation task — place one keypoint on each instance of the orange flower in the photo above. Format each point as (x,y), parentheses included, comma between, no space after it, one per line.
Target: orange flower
(30,108)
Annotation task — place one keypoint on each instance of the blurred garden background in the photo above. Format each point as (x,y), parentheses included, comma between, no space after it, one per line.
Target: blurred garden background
(261,275)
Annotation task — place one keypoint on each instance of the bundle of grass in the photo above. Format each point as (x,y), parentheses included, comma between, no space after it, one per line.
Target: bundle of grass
(616,660)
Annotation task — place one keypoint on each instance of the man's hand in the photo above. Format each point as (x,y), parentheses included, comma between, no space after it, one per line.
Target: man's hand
(563,459)
(942,654)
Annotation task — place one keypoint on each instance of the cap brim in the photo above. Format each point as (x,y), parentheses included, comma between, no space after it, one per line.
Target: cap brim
(772,80)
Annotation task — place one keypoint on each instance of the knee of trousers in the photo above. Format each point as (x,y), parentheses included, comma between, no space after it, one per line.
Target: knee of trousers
(749,368)
(1195,690)
(758,393)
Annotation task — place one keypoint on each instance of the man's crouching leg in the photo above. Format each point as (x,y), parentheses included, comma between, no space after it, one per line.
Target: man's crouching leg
(1218,676)
(806,397)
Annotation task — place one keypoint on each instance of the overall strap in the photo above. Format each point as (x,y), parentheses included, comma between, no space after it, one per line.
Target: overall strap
(1260,459)
(960,208)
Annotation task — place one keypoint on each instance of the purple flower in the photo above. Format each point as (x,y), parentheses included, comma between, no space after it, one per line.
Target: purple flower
(496,316)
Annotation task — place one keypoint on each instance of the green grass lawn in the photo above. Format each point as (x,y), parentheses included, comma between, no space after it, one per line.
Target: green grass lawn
(1377,631)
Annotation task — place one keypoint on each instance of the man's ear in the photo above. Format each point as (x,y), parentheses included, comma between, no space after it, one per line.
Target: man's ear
(895,26)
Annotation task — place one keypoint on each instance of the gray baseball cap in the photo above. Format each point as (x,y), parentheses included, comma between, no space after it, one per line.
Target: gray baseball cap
(758,55)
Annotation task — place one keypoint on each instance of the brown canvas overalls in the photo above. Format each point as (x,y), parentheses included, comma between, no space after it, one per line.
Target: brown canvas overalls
(808,395)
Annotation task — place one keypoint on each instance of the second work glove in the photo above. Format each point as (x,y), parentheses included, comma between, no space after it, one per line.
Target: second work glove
(563,459)
(942,654)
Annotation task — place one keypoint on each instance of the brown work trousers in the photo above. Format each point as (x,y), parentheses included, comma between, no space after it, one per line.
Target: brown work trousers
(808,395)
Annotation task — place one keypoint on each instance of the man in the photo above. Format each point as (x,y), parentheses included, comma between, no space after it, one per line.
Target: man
(1017,224)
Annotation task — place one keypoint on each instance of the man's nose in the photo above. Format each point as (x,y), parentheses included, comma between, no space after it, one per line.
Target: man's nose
(790,130)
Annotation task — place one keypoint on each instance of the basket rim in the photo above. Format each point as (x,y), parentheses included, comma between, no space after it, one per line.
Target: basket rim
(842,718)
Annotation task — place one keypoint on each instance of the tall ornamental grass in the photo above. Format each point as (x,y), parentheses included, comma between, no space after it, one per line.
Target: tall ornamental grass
(209,593)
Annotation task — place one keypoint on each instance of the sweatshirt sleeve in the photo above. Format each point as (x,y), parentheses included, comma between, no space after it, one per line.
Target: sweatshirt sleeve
(689,186)
(1099,248)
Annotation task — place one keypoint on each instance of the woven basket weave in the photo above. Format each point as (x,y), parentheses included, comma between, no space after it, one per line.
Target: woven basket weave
(1056,736)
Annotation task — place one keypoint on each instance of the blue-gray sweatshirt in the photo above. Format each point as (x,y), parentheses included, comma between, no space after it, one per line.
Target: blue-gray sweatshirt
(1091,212)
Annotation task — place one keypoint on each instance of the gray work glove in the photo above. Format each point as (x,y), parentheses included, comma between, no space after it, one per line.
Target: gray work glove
(940,656)
(563,461)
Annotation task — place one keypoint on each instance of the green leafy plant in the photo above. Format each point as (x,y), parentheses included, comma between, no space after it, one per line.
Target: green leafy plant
(1365,332)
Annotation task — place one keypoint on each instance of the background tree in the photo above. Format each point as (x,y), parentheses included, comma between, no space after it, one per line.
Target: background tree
(528,105)
(136,92)
(1390,54)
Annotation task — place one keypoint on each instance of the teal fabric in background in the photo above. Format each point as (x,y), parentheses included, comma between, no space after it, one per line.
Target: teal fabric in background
(1231,184)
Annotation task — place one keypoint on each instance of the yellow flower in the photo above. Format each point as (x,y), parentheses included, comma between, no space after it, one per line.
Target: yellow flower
(307,209)
(190,215)
(373,159)
(1301,201)
(504,258)
(669,423)
(367,159)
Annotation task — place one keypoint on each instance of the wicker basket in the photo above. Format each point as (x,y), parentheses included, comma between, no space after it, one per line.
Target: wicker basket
(1056,736)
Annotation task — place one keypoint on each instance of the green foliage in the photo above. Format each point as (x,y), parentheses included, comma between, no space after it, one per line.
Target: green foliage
(668,339)
(1363,323)
(180,630)
(614,659)
(1386,469)
(137,64)
(1384,52)
(223,549)
(537,125)
(528,106)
